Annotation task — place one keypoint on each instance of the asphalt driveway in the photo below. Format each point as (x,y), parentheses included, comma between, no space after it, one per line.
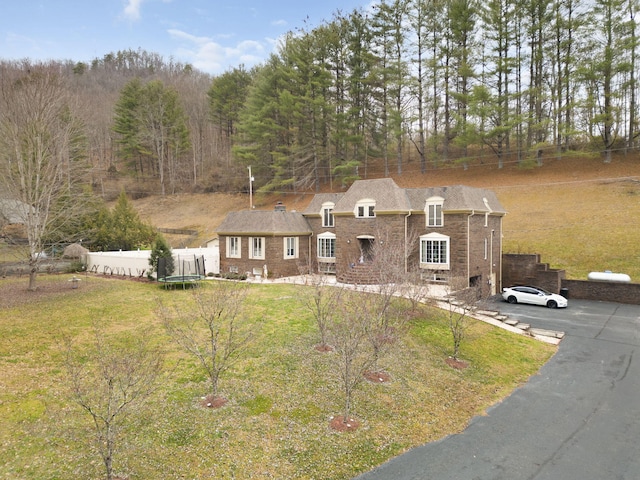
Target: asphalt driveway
(579,418)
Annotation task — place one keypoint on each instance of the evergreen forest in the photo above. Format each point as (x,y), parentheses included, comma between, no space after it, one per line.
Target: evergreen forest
(411,85)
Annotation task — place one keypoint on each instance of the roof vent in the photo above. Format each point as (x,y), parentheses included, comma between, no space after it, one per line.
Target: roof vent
(280,207)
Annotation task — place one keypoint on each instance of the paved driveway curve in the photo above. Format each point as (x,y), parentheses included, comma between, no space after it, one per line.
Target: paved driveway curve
(578,419)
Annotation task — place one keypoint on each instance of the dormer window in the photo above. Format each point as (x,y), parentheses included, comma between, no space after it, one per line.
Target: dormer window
(433,212)
(327,214)
(365,209)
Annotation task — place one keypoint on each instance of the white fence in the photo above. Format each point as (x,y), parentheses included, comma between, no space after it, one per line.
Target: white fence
(135,263)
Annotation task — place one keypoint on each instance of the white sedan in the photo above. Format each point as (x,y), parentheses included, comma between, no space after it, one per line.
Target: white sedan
(534,296)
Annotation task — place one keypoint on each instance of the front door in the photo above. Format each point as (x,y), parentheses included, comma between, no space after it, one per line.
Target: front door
(366,249)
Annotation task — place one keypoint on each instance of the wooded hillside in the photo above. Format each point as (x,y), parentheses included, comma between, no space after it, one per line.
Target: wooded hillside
(410,84)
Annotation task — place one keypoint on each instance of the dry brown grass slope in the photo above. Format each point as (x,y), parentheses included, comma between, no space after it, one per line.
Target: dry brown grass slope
(580,214)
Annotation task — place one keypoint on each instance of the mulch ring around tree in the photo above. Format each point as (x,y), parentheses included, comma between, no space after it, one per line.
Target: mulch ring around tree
(212,401)
(324,348)
(457,364)
(339,424)
(377,376)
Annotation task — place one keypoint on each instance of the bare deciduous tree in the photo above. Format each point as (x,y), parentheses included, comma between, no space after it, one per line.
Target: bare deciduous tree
(41,152)
(321,300)
(389,265)
(414,290)
(111,384)
(460,303)
(348,332)
(210,329)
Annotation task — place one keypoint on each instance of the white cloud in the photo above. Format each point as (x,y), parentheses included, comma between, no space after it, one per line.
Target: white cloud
(279,23)
(212,57)
(132,9)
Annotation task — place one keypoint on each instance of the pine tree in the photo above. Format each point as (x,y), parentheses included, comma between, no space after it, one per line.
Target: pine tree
(127,230)
(161,249)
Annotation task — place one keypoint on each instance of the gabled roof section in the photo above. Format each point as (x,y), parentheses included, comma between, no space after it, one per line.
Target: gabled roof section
(315,206)
(384,191)
(457,198)
(264,223)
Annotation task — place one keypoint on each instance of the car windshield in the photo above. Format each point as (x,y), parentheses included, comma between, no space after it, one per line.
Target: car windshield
(543,291)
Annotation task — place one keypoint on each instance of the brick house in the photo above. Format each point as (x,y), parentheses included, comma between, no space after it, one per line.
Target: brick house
(266,243)
(444,234)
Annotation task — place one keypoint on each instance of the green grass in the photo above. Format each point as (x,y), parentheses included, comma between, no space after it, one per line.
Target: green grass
(579,227)
(281,394)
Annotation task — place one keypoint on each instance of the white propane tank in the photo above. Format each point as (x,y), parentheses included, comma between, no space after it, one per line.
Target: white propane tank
(609,277)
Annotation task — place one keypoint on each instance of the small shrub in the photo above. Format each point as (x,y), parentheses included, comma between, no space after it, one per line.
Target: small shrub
(75,267)
(234,276)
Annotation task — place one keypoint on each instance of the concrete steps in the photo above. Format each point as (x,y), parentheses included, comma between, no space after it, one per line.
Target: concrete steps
(496,318)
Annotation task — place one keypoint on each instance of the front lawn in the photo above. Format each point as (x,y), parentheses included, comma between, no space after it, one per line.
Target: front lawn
(281,395)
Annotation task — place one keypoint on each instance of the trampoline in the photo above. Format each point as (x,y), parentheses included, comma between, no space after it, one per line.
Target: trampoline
(181,279)
(190,272)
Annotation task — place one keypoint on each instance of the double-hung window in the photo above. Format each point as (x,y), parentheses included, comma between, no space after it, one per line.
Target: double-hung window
(256,248)
(434,251)
(327,214)
(233,247)
(290,247)
(434,212)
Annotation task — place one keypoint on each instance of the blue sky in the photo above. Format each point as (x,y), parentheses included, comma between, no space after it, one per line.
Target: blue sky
(212,35)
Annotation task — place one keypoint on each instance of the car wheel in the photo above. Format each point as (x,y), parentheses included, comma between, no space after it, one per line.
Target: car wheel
(512,299)
(552,304)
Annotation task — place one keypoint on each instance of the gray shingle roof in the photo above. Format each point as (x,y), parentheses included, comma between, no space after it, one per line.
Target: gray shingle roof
(261,222)
(386,193)
(457,198)
(390,198)
(315,206)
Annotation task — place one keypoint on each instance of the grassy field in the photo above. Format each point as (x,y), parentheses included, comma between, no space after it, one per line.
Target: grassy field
(581,227)
(281,395)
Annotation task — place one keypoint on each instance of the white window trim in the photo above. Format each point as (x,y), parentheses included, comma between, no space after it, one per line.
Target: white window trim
(260,254)
(439,238)
(434,202)
(367,205)
(328,206)
(285,246)
(238,253)
(323,237)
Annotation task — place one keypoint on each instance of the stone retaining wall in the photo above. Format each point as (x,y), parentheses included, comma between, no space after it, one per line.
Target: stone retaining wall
(603,291)
(526,269)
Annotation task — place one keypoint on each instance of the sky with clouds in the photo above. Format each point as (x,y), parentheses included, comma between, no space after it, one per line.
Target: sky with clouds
(212,35)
